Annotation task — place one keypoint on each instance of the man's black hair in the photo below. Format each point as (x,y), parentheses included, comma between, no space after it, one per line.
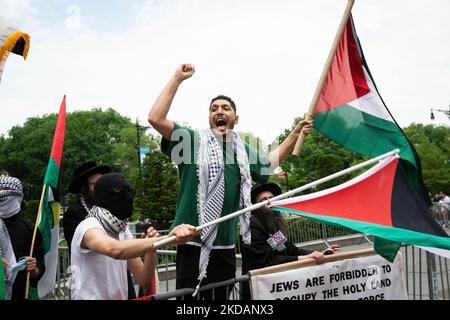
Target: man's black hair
(222,97)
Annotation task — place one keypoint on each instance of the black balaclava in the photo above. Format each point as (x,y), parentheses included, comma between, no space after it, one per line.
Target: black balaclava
(113,193)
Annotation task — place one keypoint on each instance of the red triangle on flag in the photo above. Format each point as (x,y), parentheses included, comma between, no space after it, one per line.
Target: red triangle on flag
(346,81)
(366,198)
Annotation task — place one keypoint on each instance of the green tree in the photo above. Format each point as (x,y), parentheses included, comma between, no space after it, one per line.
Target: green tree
(156,192)
(320,157)
(103,136)
(433,147)
(125,151)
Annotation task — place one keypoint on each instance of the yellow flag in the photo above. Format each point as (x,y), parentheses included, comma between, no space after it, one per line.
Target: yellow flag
(11,40)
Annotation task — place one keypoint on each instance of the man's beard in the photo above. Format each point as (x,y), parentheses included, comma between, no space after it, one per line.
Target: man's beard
(89,198)
(273,221)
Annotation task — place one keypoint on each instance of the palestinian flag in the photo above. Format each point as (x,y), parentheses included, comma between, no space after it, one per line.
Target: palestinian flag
(11,40)
(48,223)
(379,202)
(351,112)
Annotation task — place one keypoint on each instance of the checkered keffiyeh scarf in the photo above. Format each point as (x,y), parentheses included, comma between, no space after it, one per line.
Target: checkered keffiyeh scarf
(10,201)
(211,190)
(13,185)
(112,225)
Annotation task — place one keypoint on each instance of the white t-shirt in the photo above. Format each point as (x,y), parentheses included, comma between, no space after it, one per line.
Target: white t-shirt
(95,276)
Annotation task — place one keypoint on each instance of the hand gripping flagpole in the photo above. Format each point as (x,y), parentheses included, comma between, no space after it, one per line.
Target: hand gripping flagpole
(38,221)
(299,144)
(284,195)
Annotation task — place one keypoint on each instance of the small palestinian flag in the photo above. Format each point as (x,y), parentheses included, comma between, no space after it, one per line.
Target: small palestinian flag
(11,40)
(50,206)
(351,112)
(379,202)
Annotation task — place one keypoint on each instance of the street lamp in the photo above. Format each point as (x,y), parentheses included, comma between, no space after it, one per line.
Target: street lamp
(138,137)
(447,112)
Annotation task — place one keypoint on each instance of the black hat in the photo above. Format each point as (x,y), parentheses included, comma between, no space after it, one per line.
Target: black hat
(82,172)
(269,186)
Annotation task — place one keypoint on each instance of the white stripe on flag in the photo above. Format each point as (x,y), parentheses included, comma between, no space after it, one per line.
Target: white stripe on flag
(371,103)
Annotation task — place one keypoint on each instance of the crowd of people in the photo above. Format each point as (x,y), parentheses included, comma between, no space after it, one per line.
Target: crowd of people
(217,171)
(441,208)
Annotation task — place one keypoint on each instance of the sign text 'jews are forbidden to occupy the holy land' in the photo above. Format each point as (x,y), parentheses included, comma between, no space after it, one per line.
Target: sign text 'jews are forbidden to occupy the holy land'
(367,278)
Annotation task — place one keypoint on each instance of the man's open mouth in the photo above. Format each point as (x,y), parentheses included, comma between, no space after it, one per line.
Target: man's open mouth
(221,122)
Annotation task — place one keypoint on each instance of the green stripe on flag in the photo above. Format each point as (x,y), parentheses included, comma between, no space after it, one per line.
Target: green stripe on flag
(362,132)
(47,220)
(387,233)
(52,174)
(33,293)
(368,135)
(2,281)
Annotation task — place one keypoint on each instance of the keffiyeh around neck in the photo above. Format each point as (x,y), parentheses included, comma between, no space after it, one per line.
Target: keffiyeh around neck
(211,190)
(112,225)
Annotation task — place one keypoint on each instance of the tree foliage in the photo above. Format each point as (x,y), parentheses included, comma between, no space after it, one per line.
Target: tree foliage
(157,191)
(103,136)
(432,143)
(319,157)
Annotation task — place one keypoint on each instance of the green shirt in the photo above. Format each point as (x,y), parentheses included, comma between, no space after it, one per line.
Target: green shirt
(184,140)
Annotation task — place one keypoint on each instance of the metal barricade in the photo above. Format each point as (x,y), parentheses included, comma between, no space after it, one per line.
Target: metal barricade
(427,275)
(427,278)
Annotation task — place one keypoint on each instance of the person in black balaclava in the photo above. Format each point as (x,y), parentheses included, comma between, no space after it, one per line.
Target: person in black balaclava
(100,255)
(16,235)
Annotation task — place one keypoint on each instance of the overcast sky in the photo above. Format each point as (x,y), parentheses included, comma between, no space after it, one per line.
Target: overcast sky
(266,55)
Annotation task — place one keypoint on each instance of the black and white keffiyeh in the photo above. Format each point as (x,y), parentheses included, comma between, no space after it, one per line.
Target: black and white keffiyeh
(211,190)
(10,199)
(10,186)
(112,225)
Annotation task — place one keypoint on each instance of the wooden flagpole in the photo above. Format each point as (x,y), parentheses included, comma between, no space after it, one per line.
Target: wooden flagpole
(312,261)
(324,76)
(38,219)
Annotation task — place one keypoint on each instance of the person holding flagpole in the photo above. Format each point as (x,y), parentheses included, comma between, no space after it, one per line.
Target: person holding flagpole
(216,171)
(15,241)
(103,248)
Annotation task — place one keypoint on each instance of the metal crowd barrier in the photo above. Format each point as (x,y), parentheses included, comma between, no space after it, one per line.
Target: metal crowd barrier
(427,275)
(427,278)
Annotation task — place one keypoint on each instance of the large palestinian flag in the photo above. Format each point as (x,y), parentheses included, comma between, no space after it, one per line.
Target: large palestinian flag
(11,40)
(351,112)
(50,207)
(379,202)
